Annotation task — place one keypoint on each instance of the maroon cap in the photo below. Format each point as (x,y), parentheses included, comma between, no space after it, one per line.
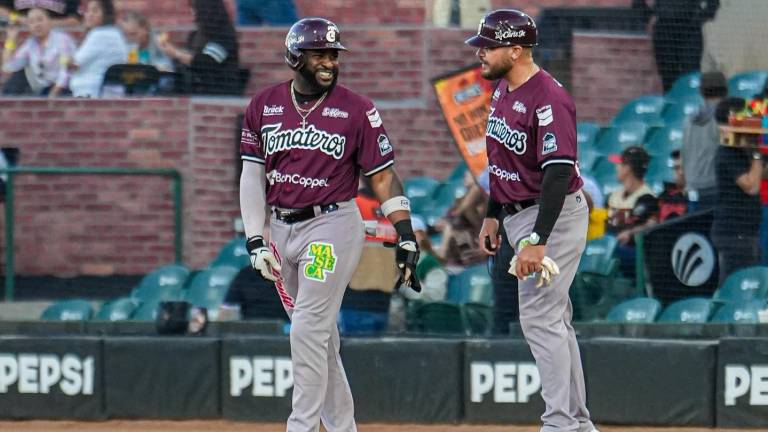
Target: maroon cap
(505,27)
(310,33)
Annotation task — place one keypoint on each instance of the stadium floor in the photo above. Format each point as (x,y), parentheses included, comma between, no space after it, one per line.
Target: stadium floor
(225,426)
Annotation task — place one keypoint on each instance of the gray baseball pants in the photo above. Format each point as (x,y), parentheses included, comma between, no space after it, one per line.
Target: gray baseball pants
(318,258)
(545,316)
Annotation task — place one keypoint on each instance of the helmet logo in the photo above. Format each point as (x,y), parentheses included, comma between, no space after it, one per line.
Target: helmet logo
(330,36)
(505,31)
(480,27)
(293,39)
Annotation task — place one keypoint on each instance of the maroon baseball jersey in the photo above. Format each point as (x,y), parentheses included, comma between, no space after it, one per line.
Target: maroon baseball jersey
(319,163)
(529,128)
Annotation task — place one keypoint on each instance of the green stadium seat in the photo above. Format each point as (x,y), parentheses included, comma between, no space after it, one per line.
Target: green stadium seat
(117,310)
(419,190)
(646,109)
(209,287)
(441,317)
(741,312)
(146,311)
(637,310)
(233,254)
(586,134)
(596,288)
(68,310)
(663,140)
(587,158)
(604,173)
(660,170)
(473,285)
(458,172)
(616,138)
(678,110)
(685,86)
(447,192)
(747,84)
(750,283)
(479,318)
(164,283)
(690,310)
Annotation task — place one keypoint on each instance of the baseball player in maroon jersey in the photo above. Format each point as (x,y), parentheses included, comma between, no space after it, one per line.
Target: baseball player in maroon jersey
(534,176)
(304,144)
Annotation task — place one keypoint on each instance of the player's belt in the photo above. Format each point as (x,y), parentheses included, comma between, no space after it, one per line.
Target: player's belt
(291,216)
(518,206)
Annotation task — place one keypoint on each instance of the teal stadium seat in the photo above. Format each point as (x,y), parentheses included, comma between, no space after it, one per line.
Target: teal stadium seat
(739,312)
(146,311)
(164,283)
(616,138)
(604,173)
(690,310)
(747,84)
(443,197)
(419,191)
(586,139)
(685,86)
(473,285)
(660,170)
(646,109)
(663,140)
(479,318)
(750,283)
(209,287)
(233,254)
(637,310)
(458,171)
(119,309)
(594,291)
(442,318)
(68,310)
(680,109)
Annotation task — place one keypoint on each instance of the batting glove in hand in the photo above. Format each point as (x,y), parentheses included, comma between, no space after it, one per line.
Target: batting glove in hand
(549,269)
(406,258)
(262,259)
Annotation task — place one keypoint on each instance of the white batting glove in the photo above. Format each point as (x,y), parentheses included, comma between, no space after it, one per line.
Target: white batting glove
(549,269)
(262,259)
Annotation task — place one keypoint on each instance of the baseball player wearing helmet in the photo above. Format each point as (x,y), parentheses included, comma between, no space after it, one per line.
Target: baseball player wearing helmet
(304,144)
(534,176)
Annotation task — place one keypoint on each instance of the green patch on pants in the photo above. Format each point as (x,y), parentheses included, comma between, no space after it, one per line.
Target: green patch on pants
(323,260)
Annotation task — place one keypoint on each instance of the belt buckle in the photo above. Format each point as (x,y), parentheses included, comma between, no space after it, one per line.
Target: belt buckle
(284,213)
(517,206)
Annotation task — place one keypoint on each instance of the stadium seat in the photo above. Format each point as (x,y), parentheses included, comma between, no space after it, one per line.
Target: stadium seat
(441,317)
(750,283)
(419,191)
(595,288)
(659,171)
(209,287)
(360,322)
(646,109)
(68,310)
(678,110)
(479,318)
(747,84)
(604,173)
(164,283)
(586,134)
(458,172)
(445,194)
(616,138)
(742,312)
(473,285)
(690,310)
(117,310)
(637,310)
(663,140)
(146,311)
(587,158)
(233,254)
(685,86)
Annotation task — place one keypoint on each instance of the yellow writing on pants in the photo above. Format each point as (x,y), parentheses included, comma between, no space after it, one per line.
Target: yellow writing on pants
(323,260)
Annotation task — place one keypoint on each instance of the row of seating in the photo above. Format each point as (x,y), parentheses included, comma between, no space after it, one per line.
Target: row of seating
(694,310)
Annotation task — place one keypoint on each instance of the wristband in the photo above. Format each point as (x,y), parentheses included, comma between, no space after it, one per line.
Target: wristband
(254,243)
(395,204)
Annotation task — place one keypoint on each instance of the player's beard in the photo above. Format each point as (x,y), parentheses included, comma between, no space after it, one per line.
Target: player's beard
(498,71)
(310,79)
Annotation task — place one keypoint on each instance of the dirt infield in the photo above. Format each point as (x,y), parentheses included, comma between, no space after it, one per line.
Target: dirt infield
(225,426)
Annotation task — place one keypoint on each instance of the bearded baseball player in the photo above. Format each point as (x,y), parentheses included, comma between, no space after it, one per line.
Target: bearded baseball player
(534,176)
(304,144)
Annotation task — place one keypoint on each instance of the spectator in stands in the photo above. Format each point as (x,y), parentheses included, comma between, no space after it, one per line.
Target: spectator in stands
(632,207)
(676,31)
(210,62)
(103,46)
(142,46)
(672,201)
(62,12)
(596,204)
(462,225)
(459,13)
(701,139)
(266,12)
(736,224)
(40,60)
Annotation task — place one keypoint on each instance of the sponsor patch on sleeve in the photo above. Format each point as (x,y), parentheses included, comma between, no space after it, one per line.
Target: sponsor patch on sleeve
(385,147)
(247,137)
(550,144)
(545,115)
(373,117)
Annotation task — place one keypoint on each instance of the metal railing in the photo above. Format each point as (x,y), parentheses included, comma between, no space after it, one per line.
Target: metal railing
(9,205)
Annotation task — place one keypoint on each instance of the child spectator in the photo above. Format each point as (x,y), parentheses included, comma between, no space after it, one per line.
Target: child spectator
(142,45)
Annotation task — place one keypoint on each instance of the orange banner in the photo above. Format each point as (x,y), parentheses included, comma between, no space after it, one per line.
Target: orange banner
(465,98)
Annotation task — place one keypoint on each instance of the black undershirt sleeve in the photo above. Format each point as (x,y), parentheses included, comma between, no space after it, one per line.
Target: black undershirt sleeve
(494,208)
(554,187)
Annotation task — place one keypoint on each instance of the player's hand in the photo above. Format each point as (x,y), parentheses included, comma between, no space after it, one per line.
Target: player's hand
(406,258)
(549,269)
(262,259)
(489,237)
(529,258)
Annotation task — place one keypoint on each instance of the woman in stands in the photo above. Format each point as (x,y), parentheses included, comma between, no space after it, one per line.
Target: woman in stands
(39,62)
(102,47)
(210,62)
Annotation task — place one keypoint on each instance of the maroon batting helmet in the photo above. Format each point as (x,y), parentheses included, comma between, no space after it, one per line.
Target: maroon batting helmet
(505,27)
(310,33)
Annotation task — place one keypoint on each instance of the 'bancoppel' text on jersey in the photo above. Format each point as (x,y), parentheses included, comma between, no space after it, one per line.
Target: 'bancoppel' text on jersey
(529,128)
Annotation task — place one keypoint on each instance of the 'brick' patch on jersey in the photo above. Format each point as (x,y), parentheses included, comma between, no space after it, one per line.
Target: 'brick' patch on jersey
(373,117)
(384,145)
(323,260)
(550,144)
(545,115)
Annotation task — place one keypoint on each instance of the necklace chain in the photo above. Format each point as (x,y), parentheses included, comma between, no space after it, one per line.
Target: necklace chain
(305,112)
